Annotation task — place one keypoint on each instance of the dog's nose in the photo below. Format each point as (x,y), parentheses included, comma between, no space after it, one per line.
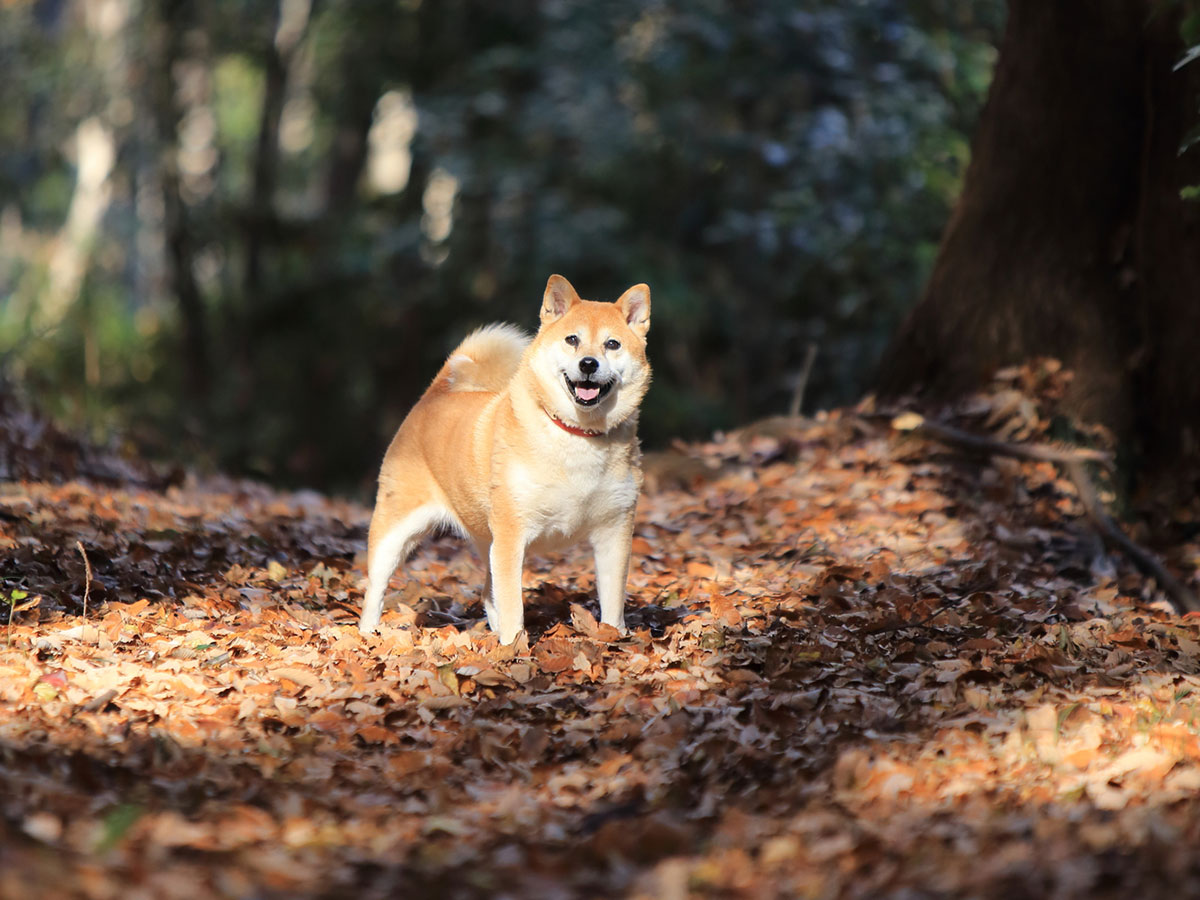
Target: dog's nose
(588,365)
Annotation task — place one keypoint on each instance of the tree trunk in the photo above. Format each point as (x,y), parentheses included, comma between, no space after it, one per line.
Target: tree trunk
(376,47)
(1168,253)
(260,217)
(171,24)
(1070,238)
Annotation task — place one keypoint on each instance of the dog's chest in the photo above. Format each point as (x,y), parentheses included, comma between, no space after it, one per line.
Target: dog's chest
(565,500)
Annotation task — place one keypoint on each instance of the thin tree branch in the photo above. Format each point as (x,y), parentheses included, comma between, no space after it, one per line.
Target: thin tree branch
(810,357)
(979,443)
(919,623)
(1145,561)
(87,572)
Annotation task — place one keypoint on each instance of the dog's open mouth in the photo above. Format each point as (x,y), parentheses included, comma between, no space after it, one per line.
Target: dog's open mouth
(588,393)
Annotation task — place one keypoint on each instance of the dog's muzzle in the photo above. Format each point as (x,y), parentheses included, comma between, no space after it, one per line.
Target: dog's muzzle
(587,392)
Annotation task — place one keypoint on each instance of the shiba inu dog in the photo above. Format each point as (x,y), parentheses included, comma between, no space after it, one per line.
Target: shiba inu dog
(523,445)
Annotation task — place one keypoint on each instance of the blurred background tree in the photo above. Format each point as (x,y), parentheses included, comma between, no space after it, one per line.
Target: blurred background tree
(247,232)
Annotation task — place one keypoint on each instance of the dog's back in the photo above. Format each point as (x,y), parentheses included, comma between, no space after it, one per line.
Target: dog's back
(485,361)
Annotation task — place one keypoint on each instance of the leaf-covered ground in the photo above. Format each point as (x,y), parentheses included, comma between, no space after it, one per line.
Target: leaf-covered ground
(860,665)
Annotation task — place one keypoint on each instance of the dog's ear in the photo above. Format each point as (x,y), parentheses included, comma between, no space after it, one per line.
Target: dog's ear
(559,297)
(635,306)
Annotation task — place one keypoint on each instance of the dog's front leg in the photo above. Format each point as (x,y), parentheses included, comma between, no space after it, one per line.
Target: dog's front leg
(506,560)
(484,547)
(612,544)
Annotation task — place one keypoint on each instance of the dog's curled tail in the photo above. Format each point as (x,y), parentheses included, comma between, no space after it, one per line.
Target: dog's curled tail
(485,361)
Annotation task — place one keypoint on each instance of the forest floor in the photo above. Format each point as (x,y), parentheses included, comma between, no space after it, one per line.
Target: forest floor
(860,664)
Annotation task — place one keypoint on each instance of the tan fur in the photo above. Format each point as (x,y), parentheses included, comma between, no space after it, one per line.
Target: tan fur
(482,452)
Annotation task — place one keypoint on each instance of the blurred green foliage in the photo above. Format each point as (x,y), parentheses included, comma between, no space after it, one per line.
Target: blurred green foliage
(344,188)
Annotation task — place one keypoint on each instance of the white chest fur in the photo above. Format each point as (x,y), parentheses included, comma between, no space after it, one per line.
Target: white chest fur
(572,495)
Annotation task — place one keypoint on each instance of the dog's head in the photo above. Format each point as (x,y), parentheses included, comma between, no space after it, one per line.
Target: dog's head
(590,358)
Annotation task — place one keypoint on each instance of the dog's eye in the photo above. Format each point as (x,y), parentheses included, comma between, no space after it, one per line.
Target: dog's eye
(572,340)
(612,344)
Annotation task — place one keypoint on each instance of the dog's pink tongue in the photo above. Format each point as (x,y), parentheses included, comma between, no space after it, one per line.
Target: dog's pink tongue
(587,393)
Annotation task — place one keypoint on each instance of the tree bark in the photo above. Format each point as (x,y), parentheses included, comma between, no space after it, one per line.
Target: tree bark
(1168,258)
(1070,238)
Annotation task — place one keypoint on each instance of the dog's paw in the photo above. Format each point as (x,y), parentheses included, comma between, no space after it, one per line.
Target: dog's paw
(619,624)
(512,637)
(518,647)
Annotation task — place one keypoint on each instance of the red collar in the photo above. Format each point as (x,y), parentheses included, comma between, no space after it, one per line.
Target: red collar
(571,429)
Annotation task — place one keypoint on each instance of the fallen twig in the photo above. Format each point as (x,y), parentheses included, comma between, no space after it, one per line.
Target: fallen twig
(435,613)
(810,357)
(918,623)
(87,572)
(980,443)
(98,702)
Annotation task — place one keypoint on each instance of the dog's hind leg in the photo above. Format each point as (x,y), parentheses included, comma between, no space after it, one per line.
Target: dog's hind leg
(396,529)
